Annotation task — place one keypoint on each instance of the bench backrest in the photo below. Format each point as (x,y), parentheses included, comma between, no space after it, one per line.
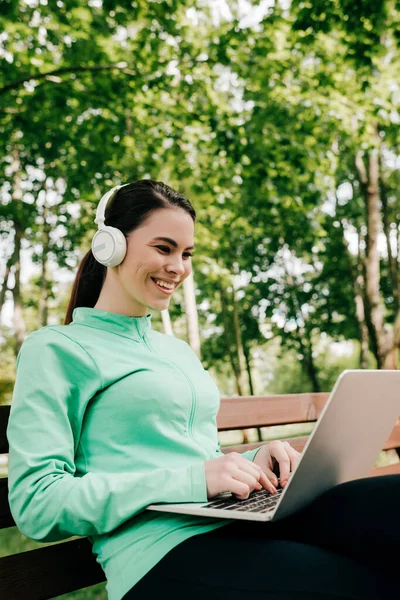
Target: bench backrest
(283,409)
(54,570)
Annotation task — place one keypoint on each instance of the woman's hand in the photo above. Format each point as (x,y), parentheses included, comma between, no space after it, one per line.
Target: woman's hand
(277,456)
(236,474)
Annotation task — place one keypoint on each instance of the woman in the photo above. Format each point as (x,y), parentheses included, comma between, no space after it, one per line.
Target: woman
(109,416)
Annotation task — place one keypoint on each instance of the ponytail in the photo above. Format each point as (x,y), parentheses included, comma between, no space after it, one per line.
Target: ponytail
(87,285)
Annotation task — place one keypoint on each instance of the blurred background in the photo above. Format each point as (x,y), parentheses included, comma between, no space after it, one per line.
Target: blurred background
(279,120)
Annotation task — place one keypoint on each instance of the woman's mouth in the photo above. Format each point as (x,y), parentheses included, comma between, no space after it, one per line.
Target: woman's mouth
(168,287)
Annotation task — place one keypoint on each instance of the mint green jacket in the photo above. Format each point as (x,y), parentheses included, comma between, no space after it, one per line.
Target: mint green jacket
(107,417)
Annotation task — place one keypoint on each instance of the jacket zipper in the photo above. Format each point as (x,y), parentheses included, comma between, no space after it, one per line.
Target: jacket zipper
(194,403)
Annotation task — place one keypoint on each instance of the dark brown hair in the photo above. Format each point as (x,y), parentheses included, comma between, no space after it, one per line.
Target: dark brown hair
(129,208)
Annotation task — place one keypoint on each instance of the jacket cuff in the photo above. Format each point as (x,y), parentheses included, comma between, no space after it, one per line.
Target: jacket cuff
(199,483)
(250,454)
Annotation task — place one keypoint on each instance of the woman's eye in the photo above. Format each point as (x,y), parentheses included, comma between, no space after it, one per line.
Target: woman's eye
(167,249)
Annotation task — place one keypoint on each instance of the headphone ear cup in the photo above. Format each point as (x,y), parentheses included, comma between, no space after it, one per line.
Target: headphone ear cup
(109,246)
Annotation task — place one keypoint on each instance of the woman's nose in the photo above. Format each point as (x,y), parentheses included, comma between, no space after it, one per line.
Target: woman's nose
(176,266)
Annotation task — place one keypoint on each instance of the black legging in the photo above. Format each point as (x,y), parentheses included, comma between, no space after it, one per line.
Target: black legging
(344,545)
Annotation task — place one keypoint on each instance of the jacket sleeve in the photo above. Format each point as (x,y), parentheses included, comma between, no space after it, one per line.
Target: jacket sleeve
(56,378)
(249,454)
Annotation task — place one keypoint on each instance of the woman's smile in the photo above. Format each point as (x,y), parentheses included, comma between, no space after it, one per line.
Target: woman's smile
(168,289)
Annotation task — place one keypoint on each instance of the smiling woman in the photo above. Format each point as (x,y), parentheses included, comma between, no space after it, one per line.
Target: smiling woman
(109,416)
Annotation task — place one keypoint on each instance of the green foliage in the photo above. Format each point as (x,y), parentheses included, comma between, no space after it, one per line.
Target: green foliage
(7,369)
(258,125)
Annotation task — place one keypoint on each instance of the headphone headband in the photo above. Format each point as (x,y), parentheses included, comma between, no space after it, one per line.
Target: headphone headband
(101,209)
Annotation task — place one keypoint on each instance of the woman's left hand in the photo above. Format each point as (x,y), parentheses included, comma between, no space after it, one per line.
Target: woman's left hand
(277,455)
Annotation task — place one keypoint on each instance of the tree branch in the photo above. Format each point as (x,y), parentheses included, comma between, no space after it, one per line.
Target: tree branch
(122,66)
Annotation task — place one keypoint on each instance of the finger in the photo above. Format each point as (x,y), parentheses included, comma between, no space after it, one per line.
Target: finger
(294,458)
(256,476)
(278,451)
(239,489)
(244,477)
(267,483)
(245,462)
(249,467)
(260,478)
(271,476)
(266,477)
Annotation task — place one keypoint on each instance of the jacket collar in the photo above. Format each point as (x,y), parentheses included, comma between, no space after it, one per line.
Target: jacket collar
(134,327)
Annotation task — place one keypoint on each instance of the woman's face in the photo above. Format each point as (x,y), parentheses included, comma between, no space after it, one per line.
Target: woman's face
(151,262)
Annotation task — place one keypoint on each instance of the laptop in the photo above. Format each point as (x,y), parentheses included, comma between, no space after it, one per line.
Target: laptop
(352,429)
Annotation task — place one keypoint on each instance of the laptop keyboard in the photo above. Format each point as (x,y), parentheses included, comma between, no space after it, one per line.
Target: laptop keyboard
(260,502)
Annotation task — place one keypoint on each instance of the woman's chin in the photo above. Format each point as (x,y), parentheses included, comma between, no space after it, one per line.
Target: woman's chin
(159,304)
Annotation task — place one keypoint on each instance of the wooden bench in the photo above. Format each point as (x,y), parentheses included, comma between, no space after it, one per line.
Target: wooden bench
(53,570)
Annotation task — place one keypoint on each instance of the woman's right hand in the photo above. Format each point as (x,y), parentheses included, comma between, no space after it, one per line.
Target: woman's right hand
(236,474)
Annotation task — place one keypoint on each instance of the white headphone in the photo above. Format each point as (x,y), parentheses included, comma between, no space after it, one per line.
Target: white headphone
(109,243)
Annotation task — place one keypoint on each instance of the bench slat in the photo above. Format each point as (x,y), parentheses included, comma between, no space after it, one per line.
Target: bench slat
(298,443)
(71,564)
(388,470)
(245,412)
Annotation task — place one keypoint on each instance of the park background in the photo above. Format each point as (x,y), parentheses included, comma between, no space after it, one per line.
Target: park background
(279,120)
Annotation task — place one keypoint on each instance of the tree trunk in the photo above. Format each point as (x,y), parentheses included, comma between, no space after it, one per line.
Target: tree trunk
(166,320)
(247,358)
(241,359)
(392,263)
(191,313)
(250,377)
(308,360)
(4,285)
(374,223)
(358,285)
(43,310)
(360,314)
(18,320)
(239,345)
(303,335)
(227,337)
